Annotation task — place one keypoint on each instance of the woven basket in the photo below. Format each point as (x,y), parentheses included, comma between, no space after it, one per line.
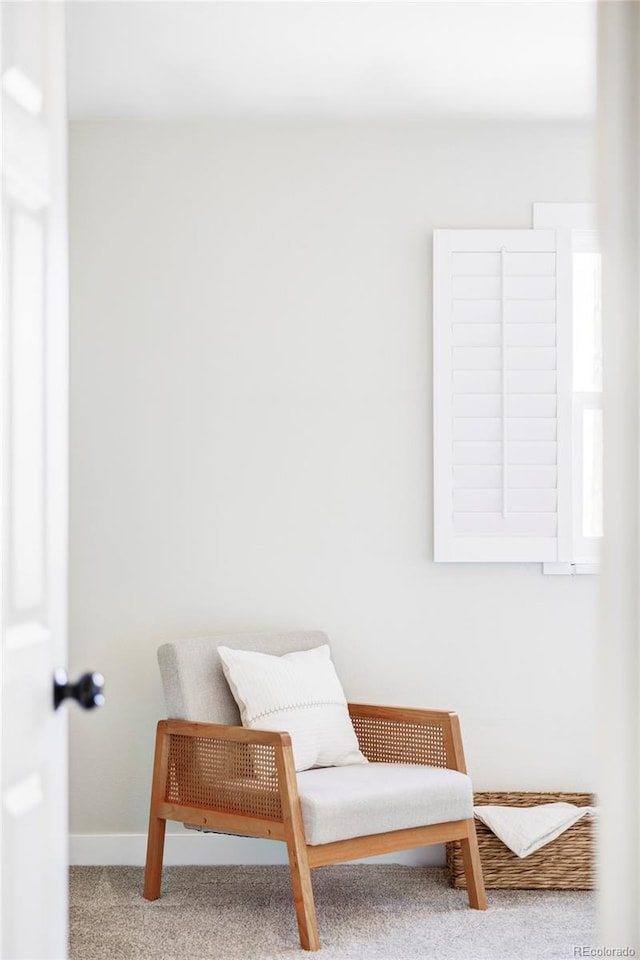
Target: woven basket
(564,864)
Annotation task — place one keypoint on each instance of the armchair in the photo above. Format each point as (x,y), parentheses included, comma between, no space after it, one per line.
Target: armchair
(213,774)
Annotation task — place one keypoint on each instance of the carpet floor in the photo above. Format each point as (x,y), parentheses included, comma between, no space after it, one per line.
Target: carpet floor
(365,912)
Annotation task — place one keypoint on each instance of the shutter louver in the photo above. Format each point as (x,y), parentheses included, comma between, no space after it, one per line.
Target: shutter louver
(501,448)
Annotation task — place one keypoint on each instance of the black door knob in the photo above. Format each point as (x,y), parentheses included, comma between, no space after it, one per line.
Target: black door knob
(87,690)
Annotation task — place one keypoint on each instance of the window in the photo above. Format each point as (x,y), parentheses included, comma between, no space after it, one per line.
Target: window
(517,396)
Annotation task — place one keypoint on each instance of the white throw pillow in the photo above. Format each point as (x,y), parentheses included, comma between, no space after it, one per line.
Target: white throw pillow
(298,693)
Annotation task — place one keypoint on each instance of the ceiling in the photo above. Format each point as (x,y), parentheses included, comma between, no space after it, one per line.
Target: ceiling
(182,58)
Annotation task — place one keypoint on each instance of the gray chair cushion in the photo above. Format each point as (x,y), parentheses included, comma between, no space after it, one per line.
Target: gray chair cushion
(343,802)
(194,685)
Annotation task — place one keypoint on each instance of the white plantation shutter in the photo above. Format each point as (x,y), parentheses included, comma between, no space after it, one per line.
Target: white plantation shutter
(502,395)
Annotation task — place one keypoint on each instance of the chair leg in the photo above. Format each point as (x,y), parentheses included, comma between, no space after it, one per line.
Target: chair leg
(297,850)
(157,826)
(473,868)
(303,896)
(153,868)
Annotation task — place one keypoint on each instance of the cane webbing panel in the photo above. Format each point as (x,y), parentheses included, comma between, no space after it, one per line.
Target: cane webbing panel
(397,741)
(223,775)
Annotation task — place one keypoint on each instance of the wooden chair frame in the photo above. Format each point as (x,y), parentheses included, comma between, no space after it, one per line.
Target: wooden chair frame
(231,805)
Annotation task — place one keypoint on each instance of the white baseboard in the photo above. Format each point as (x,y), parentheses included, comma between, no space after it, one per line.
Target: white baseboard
(210,849)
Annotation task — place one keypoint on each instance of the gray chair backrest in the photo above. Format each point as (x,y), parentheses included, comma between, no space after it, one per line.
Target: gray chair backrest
(194,684)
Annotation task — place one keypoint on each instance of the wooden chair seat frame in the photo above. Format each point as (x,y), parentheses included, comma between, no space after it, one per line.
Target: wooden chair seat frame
(242,781)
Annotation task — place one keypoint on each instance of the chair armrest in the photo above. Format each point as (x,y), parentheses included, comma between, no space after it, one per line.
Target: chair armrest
(226,769)
(219,731)
(409,735)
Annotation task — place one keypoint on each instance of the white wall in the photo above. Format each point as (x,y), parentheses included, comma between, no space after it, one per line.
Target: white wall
(251,432)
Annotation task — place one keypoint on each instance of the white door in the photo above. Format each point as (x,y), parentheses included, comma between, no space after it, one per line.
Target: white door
(34,480)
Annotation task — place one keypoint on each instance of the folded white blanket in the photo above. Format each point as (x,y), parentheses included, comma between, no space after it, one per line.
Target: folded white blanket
(525,829)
